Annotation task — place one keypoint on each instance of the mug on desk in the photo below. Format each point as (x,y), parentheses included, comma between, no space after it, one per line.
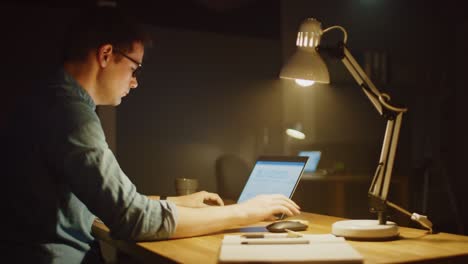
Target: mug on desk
(186,186)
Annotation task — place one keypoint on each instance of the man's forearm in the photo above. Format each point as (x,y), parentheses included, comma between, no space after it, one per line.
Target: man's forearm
(198,221)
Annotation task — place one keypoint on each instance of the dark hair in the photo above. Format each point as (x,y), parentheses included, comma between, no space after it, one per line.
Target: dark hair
(97,26)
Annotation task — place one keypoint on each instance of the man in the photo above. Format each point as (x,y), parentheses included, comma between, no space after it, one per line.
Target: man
(60,174)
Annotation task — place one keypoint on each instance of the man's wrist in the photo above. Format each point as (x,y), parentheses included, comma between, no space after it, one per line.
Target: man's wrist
(238,215)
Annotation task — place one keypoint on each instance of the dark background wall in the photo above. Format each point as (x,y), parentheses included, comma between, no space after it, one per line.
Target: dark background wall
(209,95)
(210,88)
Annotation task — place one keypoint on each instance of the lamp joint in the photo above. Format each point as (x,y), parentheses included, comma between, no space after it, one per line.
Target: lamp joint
(389,115)
(376,204)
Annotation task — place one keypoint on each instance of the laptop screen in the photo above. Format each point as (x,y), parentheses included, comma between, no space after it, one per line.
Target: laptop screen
(314,158)
(272,175)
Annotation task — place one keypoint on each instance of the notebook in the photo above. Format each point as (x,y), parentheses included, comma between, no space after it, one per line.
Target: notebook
(274,174)
(324,248)
(314,158)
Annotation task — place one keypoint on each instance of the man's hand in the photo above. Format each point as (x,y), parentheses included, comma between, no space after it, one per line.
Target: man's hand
(209,219)
(265,207)
(197,200)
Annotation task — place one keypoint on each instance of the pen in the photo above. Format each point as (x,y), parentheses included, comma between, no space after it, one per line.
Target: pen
(262,235)
(275,241)
(290,234)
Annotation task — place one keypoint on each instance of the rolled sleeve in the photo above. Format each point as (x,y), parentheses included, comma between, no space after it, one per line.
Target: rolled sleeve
(168,219)
(159,222)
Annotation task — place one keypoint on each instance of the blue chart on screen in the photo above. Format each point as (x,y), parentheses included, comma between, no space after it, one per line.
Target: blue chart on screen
(273,177)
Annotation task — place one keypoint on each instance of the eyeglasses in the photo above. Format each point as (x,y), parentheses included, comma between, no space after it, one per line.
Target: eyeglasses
(136,72)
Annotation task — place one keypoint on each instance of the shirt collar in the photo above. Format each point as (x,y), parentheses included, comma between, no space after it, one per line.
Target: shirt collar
(71,85)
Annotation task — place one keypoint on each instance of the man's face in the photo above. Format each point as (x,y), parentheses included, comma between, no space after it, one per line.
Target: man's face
(116,80)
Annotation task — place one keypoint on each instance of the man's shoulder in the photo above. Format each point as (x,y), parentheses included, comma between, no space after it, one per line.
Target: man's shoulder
(62,88)
(76,112)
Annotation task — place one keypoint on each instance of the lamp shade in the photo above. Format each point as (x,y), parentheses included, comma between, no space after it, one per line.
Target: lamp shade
(306,63)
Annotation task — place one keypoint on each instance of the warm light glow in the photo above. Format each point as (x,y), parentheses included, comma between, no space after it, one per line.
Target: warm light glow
(304,83)
(306,63)
(295,133)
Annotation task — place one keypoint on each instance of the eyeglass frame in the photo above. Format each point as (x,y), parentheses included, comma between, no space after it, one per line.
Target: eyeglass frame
(139,65)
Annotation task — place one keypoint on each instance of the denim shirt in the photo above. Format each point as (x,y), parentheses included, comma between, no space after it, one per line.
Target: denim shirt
(61,174)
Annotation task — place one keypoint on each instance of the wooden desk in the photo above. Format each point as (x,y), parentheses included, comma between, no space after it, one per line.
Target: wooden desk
(414,245)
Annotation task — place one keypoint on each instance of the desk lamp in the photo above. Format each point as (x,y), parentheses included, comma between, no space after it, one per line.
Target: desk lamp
(306,66)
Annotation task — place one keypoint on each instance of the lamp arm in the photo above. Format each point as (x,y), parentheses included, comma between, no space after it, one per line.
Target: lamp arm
(391,113)
(378,99)
(380,185)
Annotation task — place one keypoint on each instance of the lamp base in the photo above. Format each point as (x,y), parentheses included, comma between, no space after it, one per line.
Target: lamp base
(365,230)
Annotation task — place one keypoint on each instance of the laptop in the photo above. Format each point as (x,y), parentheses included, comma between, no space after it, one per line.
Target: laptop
(274,175)
(312,163)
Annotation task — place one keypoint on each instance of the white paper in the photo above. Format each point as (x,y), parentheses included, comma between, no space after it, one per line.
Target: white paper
(321,248)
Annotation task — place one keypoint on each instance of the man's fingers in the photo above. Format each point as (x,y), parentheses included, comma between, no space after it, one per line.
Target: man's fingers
(271,218)
(290,207)
(214,198)
(284,201)
(284,198)
(290,210)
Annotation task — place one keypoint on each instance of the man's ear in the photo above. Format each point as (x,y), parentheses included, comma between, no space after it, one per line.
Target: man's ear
(104,54)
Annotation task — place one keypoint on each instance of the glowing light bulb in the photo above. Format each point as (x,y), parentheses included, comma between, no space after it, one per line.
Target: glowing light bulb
(304,83)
